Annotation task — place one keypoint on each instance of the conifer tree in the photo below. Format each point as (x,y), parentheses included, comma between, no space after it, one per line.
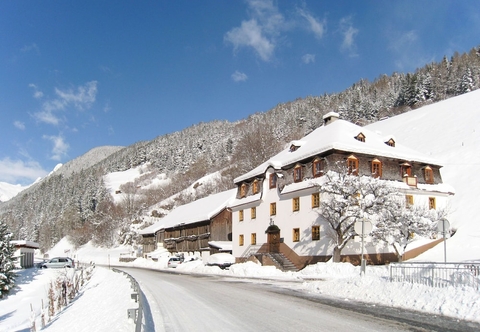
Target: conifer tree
(7,276)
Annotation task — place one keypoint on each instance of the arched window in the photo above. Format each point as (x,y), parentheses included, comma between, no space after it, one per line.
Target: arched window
(376,168)
(243,190)
(352,165)
(405,169)
(428,173)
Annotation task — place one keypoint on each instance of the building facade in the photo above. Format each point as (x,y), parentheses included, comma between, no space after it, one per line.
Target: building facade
(277,204)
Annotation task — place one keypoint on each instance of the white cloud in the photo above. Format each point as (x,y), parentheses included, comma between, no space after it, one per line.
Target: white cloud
(315,25)
(260,31)
(84,96)
(349,33)
(239,76)
(19,125)
(250,34)
(308,58)
(404,40)
(60,147)
(37,94)
(81,98)
(32,47)
(16,171)
(47,117)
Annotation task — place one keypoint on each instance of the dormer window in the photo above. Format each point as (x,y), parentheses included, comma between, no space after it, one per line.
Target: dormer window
(272,181)
(405,169)
(428,173)
(294,147)
(352,165)
(243,190)
(376,168)
(390,142)
(297,173)
(255,187)
(360,137)
(317,167)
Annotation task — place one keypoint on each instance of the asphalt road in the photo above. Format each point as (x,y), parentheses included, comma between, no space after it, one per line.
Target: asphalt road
(178,302)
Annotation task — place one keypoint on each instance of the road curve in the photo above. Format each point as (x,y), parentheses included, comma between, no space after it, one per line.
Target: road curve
(180,302)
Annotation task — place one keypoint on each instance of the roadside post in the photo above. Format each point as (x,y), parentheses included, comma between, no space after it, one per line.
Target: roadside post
(443,227)
(363,228)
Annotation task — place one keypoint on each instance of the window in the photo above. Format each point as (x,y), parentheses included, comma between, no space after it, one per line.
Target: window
(428,175)
(315,233)
(297,173)
(360,137)
(432,203)
(294,148)
(240,240)
(317,167)
(296,204)
(273,209)
(296,234)
(352,165)
(315,200)
(240,215)
(390,142)
(255,187)
(253,212)
(405,169)
(409,200)
(243,190)
(376,168)
(253,238)
(273,181)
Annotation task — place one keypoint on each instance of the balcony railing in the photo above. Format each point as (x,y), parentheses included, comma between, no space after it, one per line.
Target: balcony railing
(410,180)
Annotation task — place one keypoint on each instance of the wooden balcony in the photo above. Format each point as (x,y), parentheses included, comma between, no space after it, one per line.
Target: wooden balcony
(410,180)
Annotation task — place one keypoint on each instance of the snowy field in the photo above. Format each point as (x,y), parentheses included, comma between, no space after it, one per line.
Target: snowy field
(447,130)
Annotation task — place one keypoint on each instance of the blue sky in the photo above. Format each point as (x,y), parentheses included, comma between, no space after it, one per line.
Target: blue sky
(75,75)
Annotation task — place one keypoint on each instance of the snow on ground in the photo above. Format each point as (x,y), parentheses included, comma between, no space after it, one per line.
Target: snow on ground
(447,130)
(107,294)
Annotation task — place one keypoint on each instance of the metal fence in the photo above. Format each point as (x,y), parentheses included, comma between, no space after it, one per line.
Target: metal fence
(136,314)
(437,274)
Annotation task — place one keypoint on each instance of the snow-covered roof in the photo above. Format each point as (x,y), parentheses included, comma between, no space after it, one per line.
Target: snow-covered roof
(222,245)
(196,211)
(25,243)
(339,135)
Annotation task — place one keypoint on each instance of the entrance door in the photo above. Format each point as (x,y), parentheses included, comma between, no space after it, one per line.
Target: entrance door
(273,238)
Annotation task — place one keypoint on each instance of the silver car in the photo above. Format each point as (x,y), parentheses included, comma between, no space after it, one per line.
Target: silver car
(58,262)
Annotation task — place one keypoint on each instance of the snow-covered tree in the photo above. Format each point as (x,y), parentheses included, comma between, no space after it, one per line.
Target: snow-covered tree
(346,199)
(400,223)
(7,276)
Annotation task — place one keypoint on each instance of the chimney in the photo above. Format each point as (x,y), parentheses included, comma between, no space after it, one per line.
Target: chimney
(330,117)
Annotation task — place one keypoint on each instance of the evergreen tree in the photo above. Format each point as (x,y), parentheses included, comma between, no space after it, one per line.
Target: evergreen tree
(7,276)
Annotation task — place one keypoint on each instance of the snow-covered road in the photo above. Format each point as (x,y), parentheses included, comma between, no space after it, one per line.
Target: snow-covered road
(198,303)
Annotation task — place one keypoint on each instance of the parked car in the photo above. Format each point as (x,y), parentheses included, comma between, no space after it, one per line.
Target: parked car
(58,262)
(174,261)
(222,260)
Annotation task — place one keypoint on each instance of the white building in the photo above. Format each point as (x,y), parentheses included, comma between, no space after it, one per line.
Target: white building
(25,252)
(277,203)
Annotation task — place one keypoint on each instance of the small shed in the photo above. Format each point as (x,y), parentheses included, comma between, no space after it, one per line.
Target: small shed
(25,252)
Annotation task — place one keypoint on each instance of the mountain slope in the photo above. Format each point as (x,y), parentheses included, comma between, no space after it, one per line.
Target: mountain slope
(449,131)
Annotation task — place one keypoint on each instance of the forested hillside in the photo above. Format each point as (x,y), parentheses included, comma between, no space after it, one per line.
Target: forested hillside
(74,200)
